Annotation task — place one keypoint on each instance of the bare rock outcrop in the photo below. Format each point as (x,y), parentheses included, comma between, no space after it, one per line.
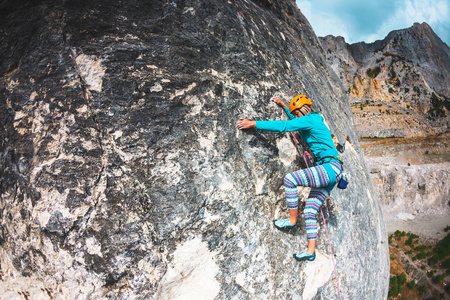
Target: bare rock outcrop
(122,175)
(412,189)
(411,179)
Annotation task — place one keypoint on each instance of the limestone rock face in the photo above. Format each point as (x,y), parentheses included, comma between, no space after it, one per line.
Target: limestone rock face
(408,72)
(412,189)
(411,175)
(122,174)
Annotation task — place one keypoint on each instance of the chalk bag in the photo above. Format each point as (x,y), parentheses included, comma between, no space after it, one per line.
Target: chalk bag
(343,181)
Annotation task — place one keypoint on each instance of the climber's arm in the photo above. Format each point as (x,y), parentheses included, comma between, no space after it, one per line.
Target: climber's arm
(287,111)
(284,126)
(278,126)
(281,104)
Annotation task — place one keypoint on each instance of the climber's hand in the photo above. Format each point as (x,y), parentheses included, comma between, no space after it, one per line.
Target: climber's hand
(245,124)
(279,102)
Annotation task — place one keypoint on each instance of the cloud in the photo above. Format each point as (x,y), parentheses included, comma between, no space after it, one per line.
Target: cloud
(348,18)
(323,21)
(433,12)
(368,21)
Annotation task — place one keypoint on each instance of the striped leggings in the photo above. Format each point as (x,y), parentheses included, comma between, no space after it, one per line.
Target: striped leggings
(319,180)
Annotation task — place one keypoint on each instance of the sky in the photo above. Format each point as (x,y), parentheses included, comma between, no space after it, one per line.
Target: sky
(368,21)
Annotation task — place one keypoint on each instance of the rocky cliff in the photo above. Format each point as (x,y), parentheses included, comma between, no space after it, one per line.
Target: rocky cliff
(399,85)
(122,174)
(411,176)
(412,189)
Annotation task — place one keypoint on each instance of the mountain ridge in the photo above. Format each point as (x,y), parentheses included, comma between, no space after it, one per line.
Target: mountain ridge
(404,74)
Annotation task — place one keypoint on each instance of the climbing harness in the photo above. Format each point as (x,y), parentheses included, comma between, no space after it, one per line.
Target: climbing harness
(342,177)
(307,156)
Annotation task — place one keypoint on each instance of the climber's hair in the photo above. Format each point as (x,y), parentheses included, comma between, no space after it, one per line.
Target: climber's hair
(306,109)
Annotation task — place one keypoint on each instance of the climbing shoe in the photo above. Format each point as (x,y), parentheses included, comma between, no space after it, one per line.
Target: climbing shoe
(284,224)
(305,256)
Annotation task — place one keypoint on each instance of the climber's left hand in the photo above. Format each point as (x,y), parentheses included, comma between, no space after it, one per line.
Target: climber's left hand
(279,102)
(245,124)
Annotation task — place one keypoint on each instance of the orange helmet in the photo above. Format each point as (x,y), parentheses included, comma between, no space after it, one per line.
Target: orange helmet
(298,102)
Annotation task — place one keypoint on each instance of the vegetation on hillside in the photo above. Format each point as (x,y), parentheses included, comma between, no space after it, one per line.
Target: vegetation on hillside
(433,260)
(439,104)
(372,73)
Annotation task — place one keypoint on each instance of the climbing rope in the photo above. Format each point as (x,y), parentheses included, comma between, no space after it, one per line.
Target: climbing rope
(307,156)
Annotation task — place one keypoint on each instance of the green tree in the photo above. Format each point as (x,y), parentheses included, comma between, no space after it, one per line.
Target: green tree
(412,284)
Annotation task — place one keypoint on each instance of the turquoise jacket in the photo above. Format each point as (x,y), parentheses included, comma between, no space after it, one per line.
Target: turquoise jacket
(313,131)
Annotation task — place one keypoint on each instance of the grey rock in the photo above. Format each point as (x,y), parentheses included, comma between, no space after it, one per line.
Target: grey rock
(375,170)
(417,45)
(412,188)
(403,80)
(122,174)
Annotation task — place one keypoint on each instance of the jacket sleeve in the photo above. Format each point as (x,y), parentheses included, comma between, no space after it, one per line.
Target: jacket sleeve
(284,126)
(288,112)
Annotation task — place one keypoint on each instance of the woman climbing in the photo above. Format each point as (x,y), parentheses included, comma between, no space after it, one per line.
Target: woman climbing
(321,178)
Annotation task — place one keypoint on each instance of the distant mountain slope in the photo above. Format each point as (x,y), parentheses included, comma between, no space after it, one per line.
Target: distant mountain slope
(399,85)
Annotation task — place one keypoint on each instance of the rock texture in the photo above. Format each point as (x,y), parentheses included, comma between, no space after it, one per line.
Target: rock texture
(407,74)
(412,189)
(411,175)
(122,174)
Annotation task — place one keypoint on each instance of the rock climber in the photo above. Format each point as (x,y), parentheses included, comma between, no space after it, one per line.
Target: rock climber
(320,178)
